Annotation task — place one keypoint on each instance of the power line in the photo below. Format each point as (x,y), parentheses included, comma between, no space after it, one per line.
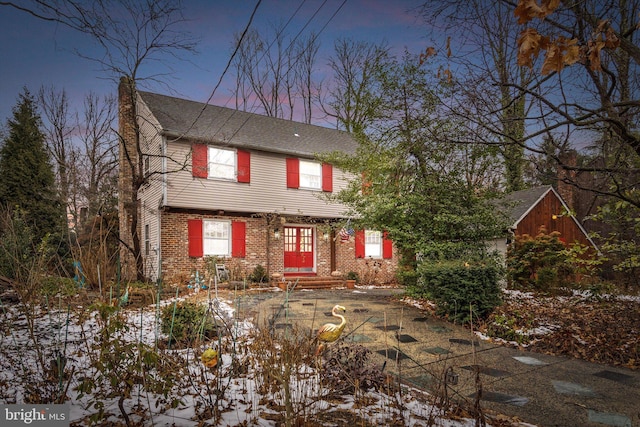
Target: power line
(244,33)
(293,63)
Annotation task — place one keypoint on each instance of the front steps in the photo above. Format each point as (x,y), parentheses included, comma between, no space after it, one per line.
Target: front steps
(313,282)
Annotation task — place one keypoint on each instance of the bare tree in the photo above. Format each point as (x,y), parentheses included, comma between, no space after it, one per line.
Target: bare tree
(136,39)
(60,126)
(589,52)
(275,75)
(99,145)
(354,97)
(306,86)
(482,52)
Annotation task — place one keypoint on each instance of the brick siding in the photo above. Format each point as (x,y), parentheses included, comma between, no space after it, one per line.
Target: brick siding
(261,249)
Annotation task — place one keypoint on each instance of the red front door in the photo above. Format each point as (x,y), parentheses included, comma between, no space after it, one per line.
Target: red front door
(298,250)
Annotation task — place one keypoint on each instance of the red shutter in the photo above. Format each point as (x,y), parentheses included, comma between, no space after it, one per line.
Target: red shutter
(327,177)
(238,241)
(359,244)
(196,248)
(244,166)
(293,173)
(199,160)
(387,246)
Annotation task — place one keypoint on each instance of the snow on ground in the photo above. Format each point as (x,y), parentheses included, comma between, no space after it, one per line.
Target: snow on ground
(239,394)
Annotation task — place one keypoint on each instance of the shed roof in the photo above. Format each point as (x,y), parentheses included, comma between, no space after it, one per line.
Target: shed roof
(196,121)
(519,203)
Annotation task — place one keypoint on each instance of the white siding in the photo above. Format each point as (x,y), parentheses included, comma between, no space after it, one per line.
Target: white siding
(267,191)
(150,195)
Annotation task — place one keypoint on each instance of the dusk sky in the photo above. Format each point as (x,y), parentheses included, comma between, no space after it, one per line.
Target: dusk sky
(36,53)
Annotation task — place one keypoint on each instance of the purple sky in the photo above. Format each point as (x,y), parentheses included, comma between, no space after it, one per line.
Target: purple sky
(35,53)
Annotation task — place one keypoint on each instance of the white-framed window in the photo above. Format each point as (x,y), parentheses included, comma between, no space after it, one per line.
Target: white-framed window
(147,240)
(222,163)
(372,244)
(147,166)
(310,175)
(217,237)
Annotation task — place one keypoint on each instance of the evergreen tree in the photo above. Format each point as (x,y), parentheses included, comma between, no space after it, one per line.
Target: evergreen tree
(28,181)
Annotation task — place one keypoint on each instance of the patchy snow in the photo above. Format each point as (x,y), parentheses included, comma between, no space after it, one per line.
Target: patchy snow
(29,342)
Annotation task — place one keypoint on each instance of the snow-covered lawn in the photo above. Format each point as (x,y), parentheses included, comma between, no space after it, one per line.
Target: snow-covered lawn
(113,365)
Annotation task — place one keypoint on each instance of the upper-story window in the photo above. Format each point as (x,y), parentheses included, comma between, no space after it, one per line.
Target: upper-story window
(222,163)
(310,175)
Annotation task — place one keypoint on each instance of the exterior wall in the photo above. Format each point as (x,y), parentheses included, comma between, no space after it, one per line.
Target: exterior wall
(263,249)
(370,271)
(151,194)
(177,266)
(267,192)
(542,215)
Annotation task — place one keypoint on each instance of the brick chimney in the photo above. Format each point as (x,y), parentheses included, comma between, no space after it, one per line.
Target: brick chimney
(566,176)
(127,139)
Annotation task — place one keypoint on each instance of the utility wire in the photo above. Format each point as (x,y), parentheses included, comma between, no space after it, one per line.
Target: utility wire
(292,64)
(244,33)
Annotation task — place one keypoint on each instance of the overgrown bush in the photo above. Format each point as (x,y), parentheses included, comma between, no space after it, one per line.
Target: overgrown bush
(187,321)
(544,264)
(459,288)
(347,369)
(52,286)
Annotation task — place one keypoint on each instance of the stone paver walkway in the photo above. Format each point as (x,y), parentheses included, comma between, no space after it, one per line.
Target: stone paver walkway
(539,389)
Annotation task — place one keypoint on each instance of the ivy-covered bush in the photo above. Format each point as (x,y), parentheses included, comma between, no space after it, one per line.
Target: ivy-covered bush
(460,288)
(190,322)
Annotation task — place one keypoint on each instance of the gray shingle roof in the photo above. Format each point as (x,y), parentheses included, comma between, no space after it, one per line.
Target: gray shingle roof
(517,204)
(220,125)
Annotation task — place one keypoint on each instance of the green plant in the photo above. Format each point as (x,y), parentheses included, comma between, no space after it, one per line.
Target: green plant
(259,274)
(544,264)
(506,328)
(51,286)
(119,366)
(460,289)
(186,321)
(352,275)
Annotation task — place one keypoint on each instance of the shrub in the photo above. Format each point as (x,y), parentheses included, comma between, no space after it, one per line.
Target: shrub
(259,274)
(456,287)
(543,263)
(190,321)
(348,368)
(52,286)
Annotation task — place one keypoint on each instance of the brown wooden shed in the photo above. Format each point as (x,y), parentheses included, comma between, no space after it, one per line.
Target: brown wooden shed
(528,210)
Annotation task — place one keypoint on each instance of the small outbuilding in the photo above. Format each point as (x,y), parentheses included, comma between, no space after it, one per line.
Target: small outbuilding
(529,210)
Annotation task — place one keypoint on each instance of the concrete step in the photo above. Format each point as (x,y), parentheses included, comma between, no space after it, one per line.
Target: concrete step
(314,283)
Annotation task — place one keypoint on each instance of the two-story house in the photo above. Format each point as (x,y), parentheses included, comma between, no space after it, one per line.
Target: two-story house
(241,187)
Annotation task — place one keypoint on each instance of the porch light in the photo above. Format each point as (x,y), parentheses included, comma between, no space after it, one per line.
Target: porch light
(276,234)
(325,236)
